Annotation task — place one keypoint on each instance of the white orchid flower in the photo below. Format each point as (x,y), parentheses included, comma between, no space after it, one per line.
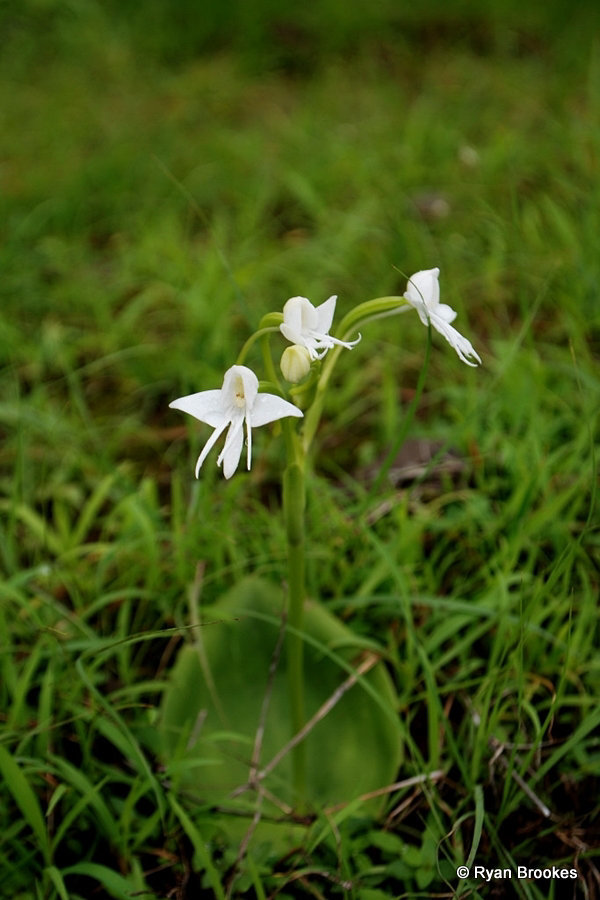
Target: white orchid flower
(423,293)
(236,401)
(308,326)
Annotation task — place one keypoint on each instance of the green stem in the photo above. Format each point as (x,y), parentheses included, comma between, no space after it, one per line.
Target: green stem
(365,312)
(251,340)
(294,497)
(269,365)
(293,509)
(369,310)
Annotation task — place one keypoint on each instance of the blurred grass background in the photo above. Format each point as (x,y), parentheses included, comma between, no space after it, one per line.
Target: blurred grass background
(169,173)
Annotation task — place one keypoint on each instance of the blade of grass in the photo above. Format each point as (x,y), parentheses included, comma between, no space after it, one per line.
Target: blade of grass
(199,846)
(26,800)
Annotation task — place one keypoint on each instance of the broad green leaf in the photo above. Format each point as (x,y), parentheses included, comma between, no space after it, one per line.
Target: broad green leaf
(212,706)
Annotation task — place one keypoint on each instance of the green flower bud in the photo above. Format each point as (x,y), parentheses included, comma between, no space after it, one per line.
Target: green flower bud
(295,363)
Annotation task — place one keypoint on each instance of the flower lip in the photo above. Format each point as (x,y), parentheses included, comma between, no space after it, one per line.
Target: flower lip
(237,401)
(423,294)
(308,326)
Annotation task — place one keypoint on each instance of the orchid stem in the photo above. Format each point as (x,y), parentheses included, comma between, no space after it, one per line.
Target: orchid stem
(268,359)
(252,340)
(365,312)
(294,496)
(293,510)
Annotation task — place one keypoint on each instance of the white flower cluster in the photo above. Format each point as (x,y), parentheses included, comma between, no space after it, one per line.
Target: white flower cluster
(307,328)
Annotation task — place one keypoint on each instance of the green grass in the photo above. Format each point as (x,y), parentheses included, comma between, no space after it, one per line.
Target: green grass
(153,207)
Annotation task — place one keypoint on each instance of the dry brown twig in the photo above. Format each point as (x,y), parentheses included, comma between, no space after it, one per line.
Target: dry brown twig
(368,662)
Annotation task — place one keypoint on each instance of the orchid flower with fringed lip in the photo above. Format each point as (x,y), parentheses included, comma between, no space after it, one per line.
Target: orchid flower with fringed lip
(423,294)
(237,401)
(308,326)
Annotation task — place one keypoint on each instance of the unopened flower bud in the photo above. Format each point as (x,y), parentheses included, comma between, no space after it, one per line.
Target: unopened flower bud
(295,363)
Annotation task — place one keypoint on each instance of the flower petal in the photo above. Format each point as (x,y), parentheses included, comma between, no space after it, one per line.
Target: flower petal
(205,406)
(423,287)
(210,444)
(292,334)
(325,313)
(231,452)
(328,342)
(299,314)
(240,386)
(445,312)
(268,407)
(248,442)
(421,310)
(292,314)
(463,347)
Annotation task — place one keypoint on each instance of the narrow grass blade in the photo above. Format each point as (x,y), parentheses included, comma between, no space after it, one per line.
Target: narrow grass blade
(26,800)
(199,846)
(57,880)
(115,885)
(479,815)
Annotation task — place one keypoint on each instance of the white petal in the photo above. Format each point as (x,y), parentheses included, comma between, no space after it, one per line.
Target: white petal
(325,340)
(236,395)
(421,309)
(248,442)
(319,345)
(210,444)
(463,347)
(205,406)
(299,314)
(303,340)
(231,452)
(268,407)
(445,312)
(292,314)
(250,382)
(423,287)
(325,313)
(291,334)
(312,345)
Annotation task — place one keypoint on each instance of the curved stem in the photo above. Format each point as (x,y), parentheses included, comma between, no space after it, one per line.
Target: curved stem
(294,498)
(369,311)
(265,346)
(251,340)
